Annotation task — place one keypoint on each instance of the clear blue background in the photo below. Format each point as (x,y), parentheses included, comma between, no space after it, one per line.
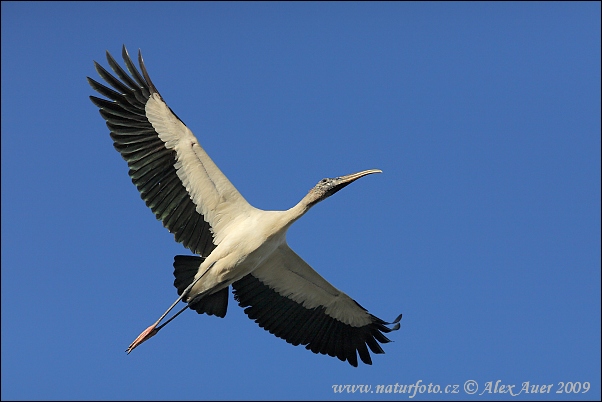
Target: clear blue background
(483,230)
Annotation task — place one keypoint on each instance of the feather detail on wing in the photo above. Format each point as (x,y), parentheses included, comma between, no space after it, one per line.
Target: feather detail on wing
(289,299)
(176,178)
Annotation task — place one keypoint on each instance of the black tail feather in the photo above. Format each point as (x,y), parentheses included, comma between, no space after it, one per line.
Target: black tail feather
(214,304)
(185,268)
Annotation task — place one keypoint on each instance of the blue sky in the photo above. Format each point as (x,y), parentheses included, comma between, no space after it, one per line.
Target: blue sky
(483,230)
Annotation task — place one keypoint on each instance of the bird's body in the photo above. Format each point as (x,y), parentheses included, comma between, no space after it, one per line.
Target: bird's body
(237,244)
(242,251)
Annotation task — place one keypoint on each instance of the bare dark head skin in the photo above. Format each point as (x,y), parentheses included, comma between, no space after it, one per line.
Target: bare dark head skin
(327,187)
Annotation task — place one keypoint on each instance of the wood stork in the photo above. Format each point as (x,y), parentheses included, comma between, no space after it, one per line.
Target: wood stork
(236,244)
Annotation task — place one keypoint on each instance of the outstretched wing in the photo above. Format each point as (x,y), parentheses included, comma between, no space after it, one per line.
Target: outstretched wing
(286,297)
(175,176)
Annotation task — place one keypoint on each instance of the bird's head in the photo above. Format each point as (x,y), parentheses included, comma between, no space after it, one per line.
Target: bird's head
(327,187)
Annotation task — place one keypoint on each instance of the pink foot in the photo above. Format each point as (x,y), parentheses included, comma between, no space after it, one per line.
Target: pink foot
(144,336)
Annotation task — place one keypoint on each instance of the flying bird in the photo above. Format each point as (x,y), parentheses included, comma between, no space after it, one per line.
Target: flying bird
(235,243)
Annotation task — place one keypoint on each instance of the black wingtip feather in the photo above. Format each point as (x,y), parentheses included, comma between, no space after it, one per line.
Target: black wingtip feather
(134,71)
(152,87)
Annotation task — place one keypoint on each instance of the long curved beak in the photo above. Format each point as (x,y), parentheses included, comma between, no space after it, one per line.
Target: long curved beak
(343,181)
(350,178)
